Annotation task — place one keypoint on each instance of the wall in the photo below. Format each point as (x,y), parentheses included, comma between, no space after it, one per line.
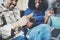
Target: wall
(22,4)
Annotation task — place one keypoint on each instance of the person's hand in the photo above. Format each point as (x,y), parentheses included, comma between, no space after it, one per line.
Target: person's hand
(49,13)
(32,19)
(23,21)
(29,24)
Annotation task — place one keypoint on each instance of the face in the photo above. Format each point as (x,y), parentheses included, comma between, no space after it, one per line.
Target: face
(37,3)
(10,4)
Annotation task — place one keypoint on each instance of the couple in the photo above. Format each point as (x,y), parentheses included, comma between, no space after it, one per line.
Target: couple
(10,20)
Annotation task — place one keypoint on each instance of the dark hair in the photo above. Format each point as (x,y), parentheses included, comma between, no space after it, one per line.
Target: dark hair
(4,0)
(43,5)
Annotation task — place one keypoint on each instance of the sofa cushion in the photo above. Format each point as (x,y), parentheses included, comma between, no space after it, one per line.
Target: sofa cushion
(55,21)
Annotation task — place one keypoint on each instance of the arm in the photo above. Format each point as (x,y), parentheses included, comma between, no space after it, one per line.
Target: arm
(48,14)
(21,22)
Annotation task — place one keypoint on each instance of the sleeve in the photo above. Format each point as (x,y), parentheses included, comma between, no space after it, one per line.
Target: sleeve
(1,20)
(18,14)
(27,12)
(6,31)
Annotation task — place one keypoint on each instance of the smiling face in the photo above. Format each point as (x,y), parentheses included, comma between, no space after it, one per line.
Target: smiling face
(10,4)
(37,3)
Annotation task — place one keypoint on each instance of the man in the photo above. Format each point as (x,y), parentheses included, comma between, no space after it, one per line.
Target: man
(10,18)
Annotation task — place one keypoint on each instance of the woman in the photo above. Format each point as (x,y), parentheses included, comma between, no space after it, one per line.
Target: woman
(38,30)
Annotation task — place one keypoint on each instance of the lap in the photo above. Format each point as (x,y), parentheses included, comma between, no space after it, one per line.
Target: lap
(38,32)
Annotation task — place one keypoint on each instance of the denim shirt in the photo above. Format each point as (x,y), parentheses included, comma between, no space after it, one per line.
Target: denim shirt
(38,16)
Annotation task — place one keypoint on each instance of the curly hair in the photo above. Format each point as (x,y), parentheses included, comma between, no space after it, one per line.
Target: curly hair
(4,0)
(43,5)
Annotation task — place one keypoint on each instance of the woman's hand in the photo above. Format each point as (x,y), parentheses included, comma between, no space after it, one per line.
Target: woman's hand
(49,13)
(29,24)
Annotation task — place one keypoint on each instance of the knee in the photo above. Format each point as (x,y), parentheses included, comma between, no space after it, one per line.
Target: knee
(45,26)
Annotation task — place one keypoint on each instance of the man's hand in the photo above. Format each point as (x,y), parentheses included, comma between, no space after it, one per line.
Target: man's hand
(23,21)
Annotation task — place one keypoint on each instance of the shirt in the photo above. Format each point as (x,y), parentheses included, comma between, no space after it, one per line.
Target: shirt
(38,16)
(7,17)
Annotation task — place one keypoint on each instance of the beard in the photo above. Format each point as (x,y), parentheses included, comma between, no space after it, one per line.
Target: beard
(11,6)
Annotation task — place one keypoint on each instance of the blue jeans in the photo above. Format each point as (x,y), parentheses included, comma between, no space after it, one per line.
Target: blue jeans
(40,32)
(19,38)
